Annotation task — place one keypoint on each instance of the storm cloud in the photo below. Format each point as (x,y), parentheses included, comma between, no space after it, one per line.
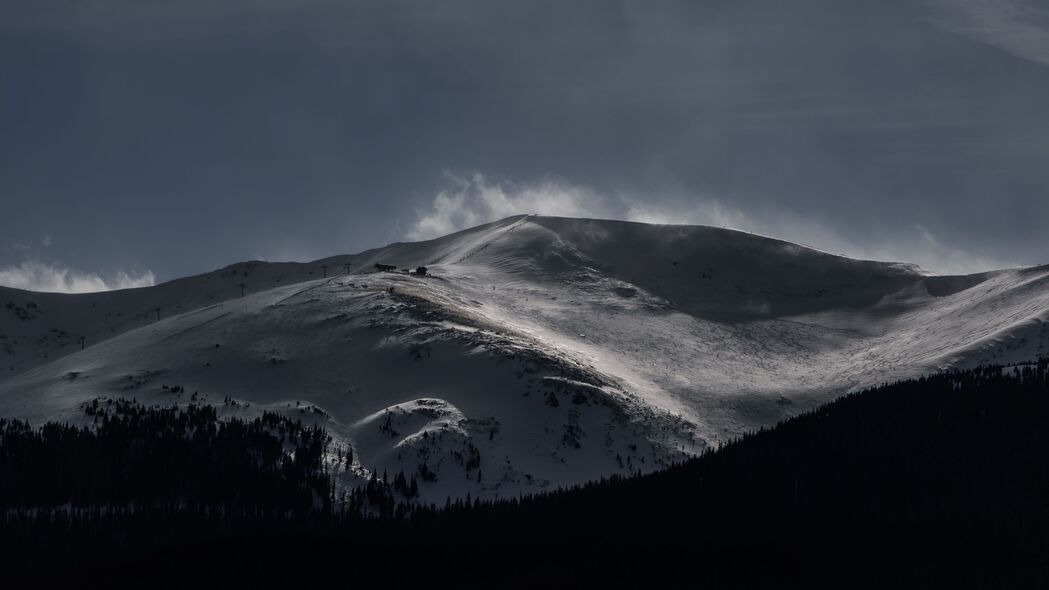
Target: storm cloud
(182,136)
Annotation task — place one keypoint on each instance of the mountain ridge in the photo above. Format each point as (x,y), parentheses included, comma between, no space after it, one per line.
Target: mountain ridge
(537,352)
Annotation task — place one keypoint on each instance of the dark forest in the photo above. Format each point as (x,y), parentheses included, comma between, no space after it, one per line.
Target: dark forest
(936,481)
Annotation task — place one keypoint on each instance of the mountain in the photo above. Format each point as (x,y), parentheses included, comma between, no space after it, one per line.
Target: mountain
(536,351)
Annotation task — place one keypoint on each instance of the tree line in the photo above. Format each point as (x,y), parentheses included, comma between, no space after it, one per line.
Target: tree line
(941,480)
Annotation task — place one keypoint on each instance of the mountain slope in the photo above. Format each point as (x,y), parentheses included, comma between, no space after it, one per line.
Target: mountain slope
(539,351)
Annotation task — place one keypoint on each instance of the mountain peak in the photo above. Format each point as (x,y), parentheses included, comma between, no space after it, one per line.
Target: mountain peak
(536,351)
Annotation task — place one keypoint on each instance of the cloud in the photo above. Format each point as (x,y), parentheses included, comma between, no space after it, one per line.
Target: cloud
(916,244)
(1016,26)
(474,200)
(702,212)
(40,276)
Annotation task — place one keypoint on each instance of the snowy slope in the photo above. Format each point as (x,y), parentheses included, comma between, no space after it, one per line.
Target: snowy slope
(38,327)
(541,351)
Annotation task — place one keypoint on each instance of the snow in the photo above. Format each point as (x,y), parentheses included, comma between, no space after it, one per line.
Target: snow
(540,352)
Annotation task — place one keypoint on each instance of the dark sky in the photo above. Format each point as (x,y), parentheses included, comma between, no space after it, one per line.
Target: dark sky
(148,140)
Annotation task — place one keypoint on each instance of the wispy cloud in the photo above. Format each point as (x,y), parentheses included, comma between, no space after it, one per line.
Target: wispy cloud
(474,200)
(914,244)
(1017,26)
(53,278)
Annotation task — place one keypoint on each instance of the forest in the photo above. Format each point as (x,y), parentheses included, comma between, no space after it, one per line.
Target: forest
(936,481)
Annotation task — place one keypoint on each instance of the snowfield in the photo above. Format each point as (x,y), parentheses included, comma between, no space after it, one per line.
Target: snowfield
(538,351)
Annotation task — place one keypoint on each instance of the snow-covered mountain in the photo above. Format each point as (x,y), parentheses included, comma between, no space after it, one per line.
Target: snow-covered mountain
(538,351)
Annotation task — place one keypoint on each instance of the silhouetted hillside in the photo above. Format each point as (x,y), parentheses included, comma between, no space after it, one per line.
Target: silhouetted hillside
(938,481)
